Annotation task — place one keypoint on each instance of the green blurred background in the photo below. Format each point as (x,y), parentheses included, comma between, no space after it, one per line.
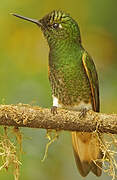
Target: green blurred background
(24,75)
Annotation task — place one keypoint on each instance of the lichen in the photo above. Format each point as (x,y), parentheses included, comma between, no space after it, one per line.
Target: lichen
(108,146)
(9,151)
(51,135)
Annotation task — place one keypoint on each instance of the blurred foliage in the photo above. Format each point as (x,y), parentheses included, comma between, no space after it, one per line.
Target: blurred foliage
(24,67)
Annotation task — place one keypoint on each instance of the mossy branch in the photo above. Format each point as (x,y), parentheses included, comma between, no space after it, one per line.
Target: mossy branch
(35,117)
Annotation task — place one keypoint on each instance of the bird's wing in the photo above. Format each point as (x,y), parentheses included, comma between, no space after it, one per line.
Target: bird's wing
(86,146)
(91,72)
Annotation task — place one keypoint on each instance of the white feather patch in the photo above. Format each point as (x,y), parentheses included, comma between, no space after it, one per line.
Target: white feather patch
(79,107)
(55,102)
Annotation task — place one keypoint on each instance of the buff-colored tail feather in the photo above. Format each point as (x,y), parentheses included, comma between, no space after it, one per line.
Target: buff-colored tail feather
(87,152)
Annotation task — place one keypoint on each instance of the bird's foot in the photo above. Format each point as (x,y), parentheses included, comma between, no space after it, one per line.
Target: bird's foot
(54,110)
(83,113)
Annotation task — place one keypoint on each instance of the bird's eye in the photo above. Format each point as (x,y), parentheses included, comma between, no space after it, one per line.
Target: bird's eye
(55,25)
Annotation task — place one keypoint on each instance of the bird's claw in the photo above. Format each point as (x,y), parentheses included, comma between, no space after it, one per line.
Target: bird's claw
(54,110)
(83,113)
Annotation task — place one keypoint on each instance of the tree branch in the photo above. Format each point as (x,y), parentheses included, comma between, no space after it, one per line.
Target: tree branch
(35,117)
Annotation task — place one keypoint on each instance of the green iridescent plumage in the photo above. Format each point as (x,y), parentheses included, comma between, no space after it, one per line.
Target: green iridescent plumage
(74,81)
(68,78)
(67,29)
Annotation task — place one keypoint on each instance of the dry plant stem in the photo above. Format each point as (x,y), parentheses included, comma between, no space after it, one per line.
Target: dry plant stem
(35,117)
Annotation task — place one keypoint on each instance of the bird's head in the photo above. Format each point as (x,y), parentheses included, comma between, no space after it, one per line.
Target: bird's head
(57,26)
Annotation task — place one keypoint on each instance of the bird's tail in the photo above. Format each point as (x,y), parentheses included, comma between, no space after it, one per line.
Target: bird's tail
(86,151)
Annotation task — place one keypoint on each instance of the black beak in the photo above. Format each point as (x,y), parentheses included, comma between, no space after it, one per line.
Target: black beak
(28,19)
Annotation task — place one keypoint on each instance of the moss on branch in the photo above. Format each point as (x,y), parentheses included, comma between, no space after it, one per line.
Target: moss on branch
(35,117)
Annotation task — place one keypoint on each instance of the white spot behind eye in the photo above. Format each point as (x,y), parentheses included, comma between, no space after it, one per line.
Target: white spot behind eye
(57,25)
(60,26)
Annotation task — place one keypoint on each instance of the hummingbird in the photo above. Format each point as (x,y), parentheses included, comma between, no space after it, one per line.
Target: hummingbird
(74,82)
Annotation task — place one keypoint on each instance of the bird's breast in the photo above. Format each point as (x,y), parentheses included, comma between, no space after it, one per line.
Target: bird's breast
(70,86)
(68,79)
